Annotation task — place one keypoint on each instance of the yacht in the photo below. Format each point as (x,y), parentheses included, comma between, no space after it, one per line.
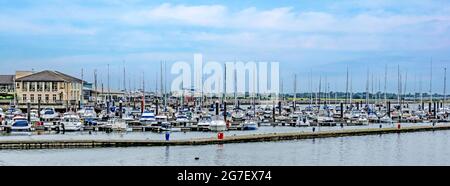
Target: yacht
(117,124)
(20,123)
(88,112)
(238,115)
(12,112)
(49,116)
(71,122)
(250,124)
(325,121)
(161,121)
(386,119)
(302,121)
(204,122)
(181,119)
(217,125)
(147,118)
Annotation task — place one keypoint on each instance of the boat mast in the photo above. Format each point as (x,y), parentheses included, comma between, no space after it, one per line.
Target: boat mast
(295,92)
(81,91)
(385,84)
(445,86)
(431,80)
(109,91)
(371,95)
(124,77)
(254,91)
(143,91)
(404,90)
(351,90)
(367,88)
(421,93)
(346,88)
(398,84)
(310,90)
(318,96)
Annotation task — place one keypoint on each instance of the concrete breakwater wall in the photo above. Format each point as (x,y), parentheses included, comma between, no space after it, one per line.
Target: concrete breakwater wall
(49,144)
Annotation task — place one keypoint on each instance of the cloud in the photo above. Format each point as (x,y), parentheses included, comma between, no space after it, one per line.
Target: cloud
(203,15)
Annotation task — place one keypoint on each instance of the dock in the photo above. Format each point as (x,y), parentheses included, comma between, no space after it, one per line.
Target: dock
(50,144)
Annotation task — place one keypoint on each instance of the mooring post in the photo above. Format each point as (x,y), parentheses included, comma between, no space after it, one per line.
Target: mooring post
(28,111)
(279,108)
(157,106)
(429,107)
(273,114)
(39,109)
(225,111)
(435,110)
(217,108)
(107,107)
(389,108)
(342,110)
(120,109)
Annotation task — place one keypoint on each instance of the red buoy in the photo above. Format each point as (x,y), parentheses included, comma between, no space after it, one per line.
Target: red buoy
(398,126)
(220,136)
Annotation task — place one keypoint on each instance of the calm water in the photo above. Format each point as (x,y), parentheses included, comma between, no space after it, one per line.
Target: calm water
(420,148)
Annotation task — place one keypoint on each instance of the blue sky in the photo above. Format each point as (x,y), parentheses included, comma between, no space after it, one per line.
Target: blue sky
(319,36)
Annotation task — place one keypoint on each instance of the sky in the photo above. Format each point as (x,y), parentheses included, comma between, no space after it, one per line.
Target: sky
(309,38)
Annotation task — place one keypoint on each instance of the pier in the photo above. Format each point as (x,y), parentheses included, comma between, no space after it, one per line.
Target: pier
(55,144)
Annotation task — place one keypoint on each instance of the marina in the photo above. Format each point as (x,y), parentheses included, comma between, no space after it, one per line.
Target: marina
(429,148)
(224,83)
(91,143)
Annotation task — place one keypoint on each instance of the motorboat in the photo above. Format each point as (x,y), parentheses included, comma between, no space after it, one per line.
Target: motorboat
(250,125)
(217,125)
(12,112)
(117,124)
(161,121)
(88,112)
(147,118)
(71,122)
(325,121)
(302,121)
(20,123)
(238,115)
(204,122)
(386,119)
(181,119)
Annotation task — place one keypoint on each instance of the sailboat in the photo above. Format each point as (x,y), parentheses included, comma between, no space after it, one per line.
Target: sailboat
(251,123)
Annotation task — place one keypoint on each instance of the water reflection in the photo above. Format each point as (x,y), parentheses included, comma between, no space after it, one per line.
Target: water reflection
(420,148)
(167,155)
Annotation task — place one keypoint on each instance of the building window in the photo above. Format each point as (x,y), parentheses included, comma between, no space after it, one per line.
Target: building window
(24,98)
(17,85)
(32,98)
(39,86)
(47,86)
(25,86)
(54,98)
(39,97)
(54,86)
(32,86)
(47,98)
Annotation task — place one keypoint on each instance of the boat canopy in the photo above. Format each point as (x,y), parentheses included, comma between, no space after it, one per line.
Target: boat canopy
(20,123)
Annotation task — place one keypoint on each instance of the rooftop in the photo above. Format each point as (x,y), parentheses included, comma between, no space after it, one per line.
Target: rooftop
(7,79)
(52,76)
